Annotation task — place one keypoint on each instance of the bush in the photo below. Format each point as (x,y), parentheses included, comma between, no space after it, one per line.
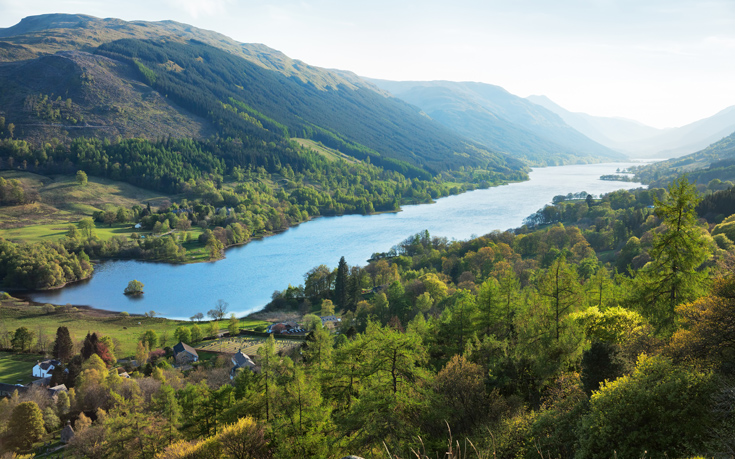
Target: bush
(660,410)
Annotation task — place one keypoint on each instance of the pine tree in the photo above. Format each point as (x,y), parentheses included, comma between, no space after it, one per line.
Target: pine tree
(341,284)
(63,347)
(89,346)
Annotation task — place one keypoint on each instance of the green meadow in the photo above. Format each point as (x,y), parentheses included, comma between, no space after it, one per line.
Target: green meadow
(125,330)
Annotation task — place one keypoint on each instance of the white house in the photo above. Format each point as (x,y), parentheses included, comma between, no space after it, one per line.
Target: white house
(44,369)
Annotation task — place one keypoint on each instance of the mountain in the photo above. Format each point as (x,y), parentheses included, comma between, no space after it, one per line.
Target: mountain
(605,130)
(637,139)
(501,121)
(65,76)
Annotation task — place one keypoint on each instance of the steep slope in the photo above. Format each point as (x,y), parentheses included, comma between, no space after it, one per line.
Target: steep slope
(196,82)
(492,116)
(49,33)
(639,140)
(82,94)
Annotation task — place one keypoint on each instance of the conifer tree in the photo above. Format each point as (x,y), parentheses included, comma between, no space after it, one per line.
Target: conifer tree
(673,276)
(89,346)
(63,347)
(341,284)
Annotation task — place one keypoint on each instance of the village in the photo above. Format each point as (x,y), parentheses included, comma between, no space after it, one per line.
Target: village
(218,359)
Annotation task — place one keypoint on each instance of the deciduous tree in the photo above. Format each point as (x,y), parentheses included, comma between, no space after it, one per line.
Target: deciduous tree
(26,425)
(673,276)
(82,178)
(22,339)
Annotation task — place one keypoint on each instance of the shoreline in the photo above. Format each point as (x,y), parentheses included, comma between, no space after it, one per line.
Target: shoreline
(259,307)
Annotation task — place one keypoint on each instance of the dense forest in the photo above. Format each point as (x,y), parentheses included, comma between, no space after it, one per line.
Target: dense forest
(607,335)
(243,99)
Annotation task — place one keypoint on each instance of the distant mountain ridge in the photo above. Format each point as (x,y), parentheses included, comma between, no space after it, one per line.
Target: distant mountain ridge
(121,77)
(637,139)
(494,117)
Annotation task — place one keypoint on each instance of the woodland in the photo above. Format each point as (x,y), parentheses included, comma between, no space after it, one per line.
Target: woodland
(603,327)
(603,332)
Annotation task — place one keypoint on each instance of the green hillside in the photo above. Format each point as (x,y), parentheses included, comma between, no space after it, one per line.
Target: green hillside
(110,78)
(716,162)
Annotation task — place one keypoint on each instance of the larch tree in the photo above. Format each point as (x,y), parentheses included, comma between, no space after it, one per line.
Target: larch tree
(559,285)
(673,276)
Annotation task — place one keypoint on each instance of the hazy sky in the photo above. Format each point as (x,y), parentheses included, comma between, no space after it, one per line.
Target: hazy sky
(662,62)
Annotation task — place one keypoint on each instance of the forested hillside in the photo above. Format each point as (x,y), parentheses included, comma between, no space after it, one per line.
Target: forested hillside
(170,82)
(605,335)
(716,162)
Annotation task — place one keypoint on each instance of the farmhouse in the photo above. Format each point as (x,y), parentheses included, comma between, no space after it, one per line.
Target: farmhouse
(44,369)
(183,353)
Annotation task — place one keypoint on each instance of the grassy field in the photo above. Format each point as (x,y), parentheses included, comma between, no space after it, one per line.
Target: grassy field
(248,344)
(327,152)
(64,203)
(17,368)
(126,331)
(63,200)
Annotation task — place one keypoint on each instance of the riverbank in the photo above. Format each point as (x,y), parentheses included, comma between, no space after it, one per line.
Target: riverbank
(248,275)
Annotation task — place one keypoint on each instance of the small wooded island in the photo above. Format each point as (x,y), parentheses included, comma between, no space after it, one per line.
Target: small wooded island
(135,287)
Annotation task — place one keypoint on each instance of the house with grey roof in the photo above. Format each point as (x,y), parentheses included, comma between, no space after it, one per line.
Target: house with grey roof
(241,360)
(183,353)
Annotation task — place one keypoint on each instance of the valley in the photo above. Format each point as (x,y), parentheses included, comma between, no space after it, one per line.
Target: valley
(211,249)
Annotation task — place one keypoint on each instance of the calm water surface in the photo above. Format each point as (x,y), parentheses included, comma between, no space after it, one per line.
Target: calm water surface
(249,274)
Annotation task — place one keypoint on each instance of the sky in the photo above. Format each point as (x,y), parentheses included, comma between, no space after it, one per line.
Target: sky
(664,63)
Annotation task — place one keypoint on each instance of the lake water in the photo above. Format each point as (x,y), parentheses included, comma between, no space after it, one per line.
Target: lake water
(249,274)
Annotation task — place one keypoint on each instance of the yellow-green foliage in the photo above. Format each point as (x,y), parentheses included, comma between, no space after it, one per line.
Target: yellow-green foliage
(613,325)
(727,228)
(243,438)
(660,410)
(723,242)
